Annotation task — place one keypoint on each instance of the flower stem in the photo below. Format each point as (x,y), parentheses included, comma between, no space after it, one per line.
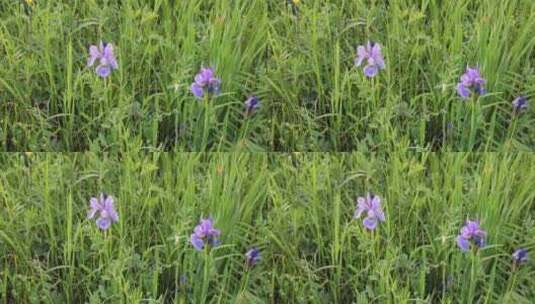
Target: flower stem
(245,282)
(205,132)
(473,128)
(512,129)
(512,282)
(245,128)
(206,278)
(472,287)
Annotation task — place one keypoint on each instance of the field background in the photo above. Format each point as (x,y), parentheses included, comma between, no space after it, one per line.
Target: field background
(297,208)
(297,58)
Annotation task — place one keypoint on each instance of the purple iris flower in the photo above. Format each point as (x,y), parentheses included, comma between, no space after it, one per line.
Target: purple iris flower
(252,257)
(107,60)
(371,52)
(520,256)
(205,234)
(206,83)
(471,233)
(471,81)
(520,104)
(371,204)
(252,104)
(104,206)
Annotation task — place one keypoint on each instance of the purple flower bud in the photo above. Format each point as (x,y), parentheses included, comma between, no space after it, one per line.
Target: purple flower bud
(103,206)
(252,257)
(104,54)
(371,52)
(520,104)
(520,256)
(371,204)
(252,104)
(471,233)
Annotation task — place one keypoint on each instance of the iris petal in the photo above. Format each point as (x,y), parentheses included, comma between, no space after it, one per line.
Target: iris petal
(463,243)
(371,70)
(370,222)
(197,90)
(103,71)
(197,243)
(463,91)
(104,223)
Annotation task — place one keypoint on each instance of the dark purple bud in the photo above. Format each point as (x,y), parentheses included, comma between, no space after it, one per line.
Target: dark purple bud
(520,256)
(252,257)
(520,104)
(252,104)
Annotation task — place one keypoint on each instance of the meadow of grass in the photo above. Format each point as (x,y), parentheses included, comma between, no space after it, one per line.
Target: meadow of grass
(298,58)
(170,159)
(296,208)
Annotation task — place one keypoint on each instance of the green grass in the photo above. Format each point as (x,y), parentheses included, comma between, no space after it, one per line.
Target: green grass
(297,208)
(299,60)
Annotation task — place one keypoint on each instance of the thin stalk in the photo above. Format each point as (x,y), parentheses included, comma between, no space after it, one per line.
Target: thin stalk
(206,273)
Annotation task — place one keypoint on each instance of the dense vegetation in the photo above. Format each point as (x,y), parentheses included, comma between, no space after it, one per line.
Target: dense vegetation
(297,58)
(181,140)
(298,209)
